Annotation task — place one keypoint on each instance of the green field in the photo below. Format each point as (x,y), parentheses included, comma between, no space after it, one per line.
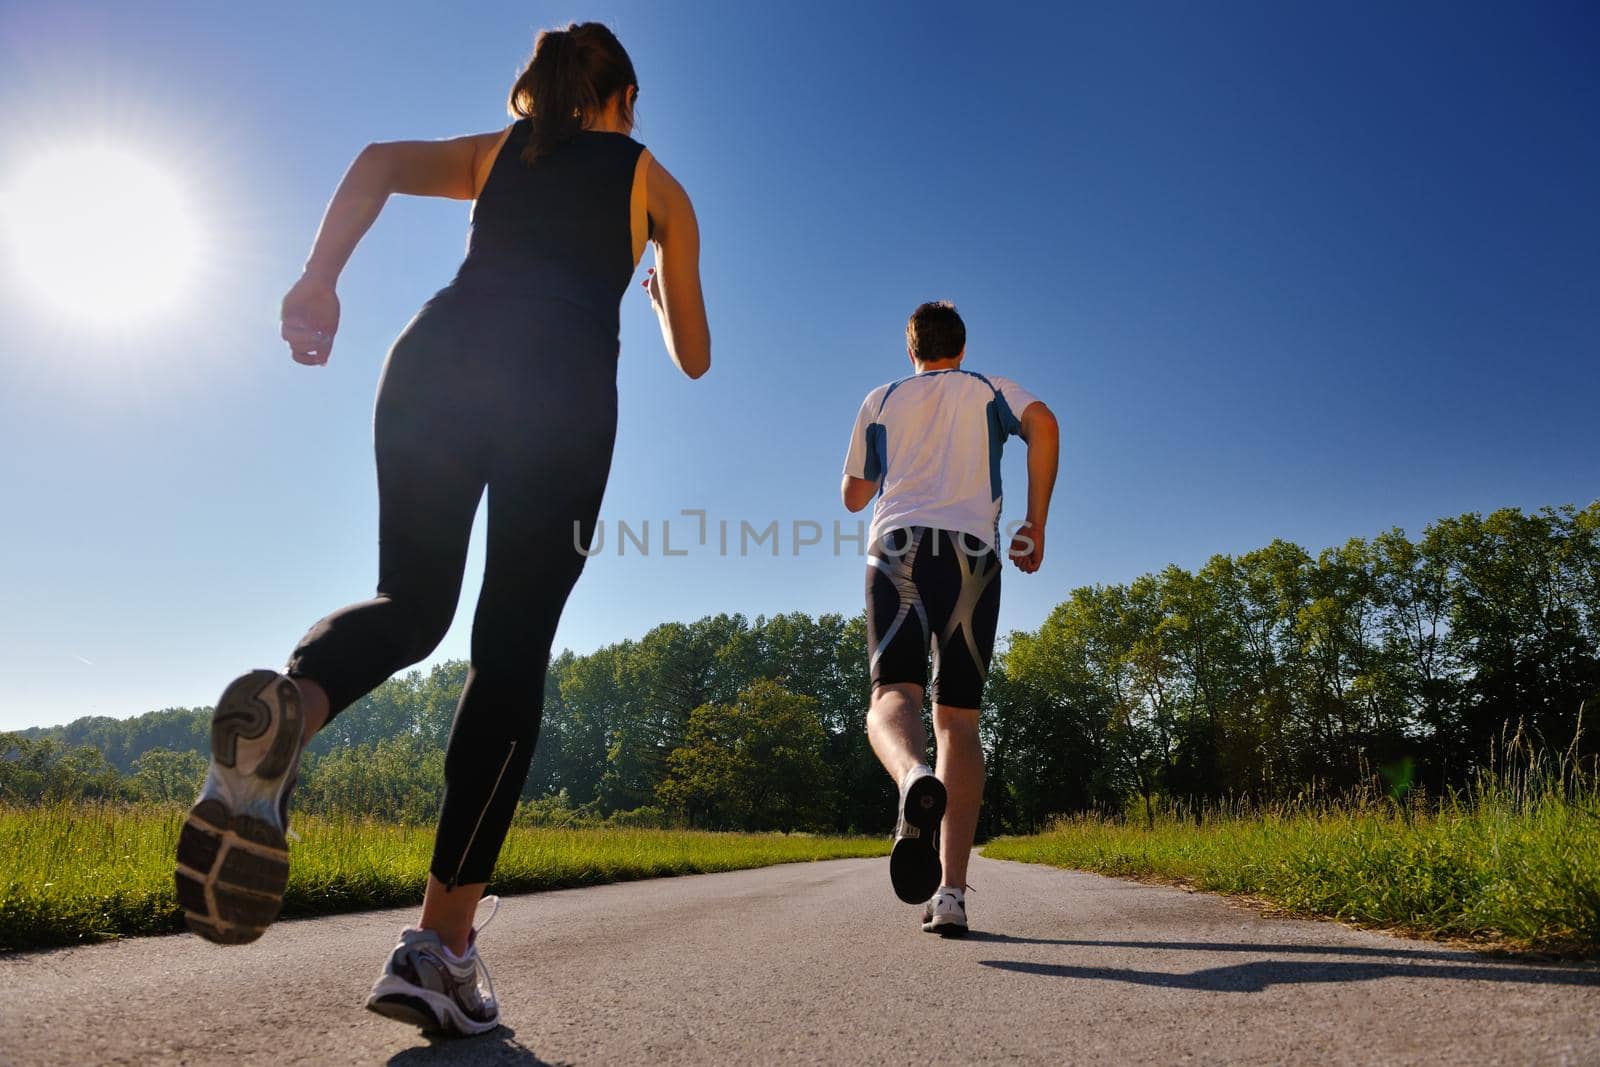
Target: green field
(1515,863)
(1516,868)
(82,872)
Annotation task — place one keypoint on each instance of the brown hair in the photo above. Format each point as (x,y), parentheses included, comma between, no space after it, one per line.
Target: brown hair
(935,331)
(572,74)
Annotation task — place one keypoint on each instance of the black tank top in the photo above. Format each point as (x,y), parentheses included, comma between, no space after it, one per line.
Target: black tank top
(560,229)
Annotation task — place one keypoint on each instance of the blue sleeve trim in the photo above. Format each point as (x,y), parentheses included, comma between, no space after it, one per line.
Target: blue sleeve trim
(1009,423)
(1003,423)
(998,413)
(877,452)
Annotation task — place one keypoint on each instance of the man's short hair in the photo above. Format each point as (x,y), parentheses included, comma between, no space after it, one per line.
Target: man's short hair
(935,331)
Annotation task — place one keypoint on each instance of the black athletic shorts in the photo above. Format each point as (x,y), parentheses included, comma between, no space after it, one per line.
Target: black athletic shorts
(931,589)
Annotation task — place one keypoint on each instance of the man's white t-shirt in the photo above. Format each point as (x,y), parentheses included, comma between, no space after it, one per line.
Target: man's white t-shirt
(933,442)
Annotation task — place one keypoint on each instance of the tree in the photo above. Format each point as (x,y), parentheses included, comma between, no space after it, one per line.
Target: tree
(45,771)
(166,777)
(755,763)
(399,778)
(1517,622)
(1412,590)
(1060,757)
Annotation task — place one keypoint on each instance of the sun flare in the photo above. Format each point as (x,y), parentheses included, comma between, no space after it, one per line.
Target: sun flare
(100,234)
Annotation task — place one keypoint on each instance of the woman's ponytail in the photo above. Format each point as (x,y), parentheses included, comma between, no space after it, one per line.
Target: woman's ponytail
(572,74)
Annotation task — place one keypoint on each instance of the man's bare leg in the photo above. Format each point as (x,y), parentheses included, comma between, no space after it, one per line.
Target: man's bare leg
(960,768)
(894,728)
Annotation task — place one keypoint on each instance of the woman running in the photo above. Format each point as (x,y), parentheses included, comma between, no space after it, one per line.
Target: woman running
(505,381)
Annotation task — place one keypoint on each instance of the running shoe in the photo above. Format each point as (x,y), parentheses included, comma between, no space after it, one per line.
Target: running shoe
(233,858)
(914,861)
(428,986)
(946,913)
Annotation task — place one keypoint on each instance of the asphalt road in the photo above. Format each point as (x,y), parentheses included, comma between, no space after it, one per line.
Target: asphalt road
(819,963)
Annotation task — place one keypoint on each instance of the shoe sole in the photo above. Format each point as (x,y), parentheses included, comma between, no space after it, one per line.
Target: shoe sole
(413,1011)
(945,929)
(432,1013)
(914,868)
(233,858)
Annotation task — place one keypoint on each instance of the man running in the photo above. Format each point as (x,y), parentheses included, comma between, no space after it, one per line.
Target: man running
(929,447)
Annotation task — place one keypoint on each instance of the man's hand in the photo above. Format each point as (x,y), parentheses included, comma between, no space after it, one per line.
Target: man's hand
(1027,547)
(310,319)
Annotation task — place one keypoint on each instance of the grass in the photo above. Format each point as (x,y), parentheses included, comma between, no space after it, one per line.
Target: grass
(81,872)
(1514,863)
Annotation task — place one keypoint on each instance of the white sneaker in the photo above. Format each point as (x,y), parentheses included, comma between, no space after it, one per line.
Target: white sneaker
(233,858)
(914,860)
(425,984)
(946,913)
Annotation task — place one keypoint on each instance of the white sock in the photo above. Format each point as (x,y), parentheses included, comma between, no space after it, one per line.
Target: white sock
(954,891)
(450,957)
(915,772)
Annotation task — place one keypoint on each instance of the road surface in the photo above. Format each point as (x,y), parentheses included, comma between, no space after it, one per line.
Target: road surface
(818,963)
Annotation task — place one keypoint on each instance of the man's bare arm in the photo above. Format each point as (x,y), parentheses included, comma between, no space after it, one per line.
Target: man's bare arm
(1040,430)
(857,492)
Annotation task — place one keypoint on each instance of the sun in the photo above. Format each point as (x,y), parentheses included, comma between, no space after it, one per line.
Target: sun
(100,234)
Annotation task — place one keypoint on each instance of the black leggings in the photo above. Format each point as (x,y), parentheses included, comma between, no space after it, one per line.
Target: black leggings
(521,398)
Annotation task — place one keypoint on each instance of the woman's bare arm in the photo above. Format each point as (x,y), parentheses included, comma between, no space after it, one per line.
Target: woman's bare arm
(447,169)
(454,169)
(674,284)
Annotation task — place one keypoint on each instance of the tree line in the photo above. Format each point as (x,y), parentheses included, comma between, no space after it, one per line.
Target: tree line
(1273,673)
(1265,675)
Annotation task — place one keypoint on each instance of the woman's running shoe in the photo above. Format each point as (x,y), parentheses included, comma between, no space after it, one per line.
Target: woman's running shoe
(428,986)
(233,859)
(914,861)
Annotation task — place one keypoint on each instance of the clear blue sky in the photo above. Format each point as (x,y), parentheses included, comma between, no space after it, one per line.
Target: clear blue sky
(1283,270)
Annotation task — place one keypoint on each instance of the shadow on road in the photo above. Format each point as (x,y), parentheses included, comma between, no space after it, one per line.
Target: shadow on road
(1444,954)
(1262,974)
(496,1047)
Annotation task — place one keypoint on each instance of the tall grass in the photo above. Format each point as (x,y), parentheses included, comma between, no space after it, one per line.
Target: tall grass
(78,872)
(1514,860)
